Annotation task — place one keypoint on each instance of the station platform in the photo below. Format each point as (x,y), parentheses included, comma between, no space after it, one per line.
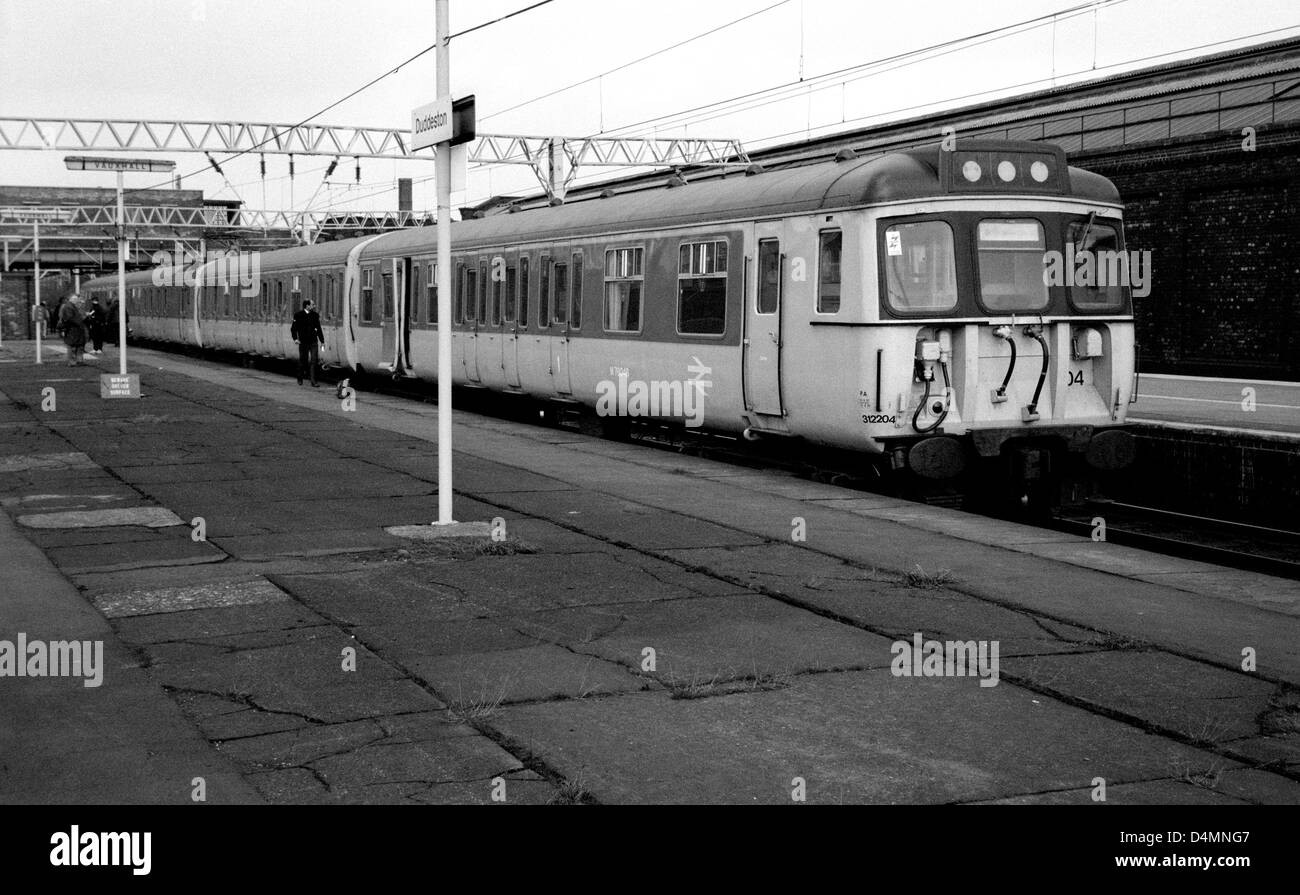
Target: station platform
(655,627)
(1268,409)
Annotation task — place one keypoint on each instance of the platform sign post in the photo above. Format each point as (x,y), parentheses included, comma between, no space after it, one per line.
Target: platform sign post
(37,310)
(442,174)
(122,385)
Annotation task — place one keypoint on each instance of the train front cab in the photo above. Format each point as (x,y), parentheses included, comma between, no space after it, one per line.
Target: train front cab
(1010,319)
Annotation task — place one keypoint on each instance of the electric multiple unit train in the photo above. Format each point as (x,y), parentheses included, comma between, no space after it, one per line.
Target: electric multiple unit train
(894,305)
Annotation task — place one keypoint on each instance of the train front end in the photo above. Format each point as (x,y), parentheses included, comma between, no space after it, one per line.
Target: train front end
(1005,309)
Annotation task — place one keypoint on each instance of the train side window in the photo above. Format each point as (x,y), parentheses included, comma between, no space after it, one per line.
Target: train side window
(431,297)
(511,287)
(523,291)
(498,297)
(471,292)
(919,267)
(458,305)
(560,292)
(484,282)
(368,294)
(575,293)
(769,276)
(829,254)
(624,284)
(414,292)
(1011,253)
(544,295)
(387,280)
(1110,267)
(702,288)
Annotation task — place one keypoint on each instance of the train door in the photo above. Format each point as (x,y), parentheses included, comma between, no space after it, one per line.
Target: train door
(388,317)
(561,284)
(763,313)
(510,323)
(410,278)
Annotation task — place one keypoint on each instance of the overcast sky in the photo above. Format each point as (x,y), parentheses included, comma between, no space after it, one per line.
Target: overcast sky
(282,60)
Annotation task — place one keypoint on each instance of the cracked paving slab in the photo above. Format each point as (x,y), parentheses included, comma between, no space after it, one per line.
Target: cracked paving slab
(1201,702)
(213,595)
(880,602)
(414,757)
(716,638)
(304,677)
(854,737)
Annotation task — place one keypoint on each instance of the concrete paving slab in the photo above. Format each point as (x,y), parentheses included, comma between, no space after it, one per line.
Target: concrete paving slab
(174,550)
(1262,591)
(1204,703)
(150,517)
(481,680)
(304,678)
(214,595)
(703,641)
(625,521)
(853,737)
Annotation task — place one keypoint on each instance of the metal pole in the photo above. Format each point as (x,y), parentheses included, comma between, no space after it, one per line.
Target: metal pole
(121,280)
(443,176)
(37,311)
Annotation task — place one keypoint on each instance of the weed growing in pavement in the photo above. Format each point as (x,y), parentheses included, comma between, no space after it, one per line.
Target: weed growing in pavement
(701,687)
(476,708)
(919,577)
(570,792)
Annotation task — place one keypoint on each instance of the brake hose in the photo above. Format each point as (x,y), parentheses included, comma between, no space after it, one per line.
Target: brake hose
(1011,366)
(947,390)
(1042,374)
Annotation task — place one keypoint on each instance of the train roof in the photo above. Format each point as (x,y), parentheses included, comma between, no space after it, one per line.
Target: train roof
(827,186)
(824,186)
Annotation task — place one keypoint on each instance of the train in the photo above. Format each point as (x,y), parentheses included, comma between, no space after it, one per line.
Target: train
(899,306)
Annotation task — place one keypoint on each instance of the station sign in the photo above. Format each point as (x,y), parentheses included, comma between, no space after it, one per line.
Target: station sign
(449,121)
(114,385)
(100,163)
(431,124)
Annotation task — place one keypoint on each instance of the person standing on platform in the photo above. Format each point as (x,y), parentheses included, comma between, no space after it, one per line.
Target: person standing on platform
(96,321)
(307,333)
(72,323)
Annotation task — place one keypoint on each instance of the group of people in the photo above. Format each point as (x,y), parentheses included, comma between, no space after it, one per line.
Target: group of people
(80,324)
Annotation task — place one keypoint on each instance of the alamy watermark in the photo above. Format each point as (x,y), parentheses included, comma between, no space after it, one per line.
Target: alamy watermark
(1098,269)
(229,269)
(952,658)
(57,658)
(661,398)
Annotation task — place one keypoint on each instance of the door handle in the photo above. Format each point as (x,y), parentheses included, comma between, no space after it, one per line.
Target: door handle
(772,335)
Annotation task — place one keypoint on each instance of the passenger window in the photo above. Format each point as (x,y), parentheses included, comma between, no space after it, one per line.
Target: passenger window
(368,294)
(544,296)
(769,276)
(431,290)
(458,310)
(560,297)
(624,284)
(1011,254)
(920,272)
(512,285)
(388,295)
(828,272)
(702,288)
(575,294)
(471,292)
(483,283)
(498,299)
(523,291)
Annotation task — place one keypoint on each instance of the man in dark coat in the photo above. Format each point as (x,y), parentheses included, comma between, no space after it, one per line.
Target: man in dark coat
(96,323)
(307,333)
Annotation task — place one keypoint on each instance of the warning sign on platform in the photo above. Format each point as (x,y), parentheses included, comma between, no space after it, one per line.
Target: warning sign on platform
(113,385)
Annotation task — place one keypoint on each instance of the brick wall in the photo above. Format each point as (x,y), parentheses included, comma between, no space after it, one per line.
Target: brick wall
(1223,227)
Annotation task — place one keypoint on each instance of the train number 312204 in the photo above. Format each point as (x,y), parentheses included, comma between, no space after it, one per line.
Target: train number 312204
(870,418)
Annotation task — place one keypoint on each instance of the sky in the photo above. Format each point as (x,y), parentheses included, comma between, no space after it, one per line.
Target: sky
(283,60)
